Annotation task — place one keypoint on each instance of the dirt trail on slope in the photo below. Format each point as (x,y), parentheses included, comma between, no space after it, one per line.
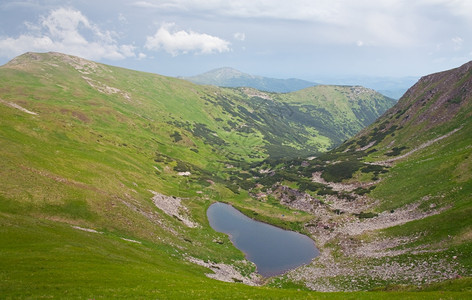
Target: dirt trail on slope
(14,105)
(389,162)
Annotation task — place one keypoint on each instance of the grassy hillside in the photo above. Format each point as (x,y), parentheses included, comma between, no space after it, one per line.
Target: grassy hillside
(106,175)
(358,106)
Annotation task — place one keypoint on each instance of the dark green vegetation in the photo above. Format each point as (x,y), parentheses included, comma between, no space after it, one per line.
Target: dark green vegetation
(85,147)
(228,77)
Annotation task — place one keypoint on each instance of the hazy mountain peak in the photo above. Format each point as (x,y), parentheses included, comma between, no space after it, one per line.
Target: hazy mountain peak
(230,77)
(227,72)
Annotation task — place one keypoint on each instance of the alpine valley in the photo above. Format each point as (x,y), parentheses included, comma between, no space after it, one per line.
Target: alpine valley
(106,175)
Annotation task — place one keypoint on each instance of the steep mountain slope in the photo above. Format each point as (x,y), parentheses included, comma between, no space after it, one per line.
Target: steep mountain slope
(434,105)
(393,204)
(229,77)
(106,174)
(357,105)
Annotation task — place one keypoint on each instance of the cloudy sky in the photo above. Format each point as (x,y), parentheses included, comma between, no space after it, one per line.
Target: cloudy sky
(308,39)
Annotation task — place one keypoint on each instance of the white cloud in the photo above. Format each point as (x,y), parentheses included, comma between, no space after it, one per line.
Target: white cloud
(122,18)
(240,36)
(457,42)
(280,9)
(68,31)
(172,4)
(386,23)
(177,42)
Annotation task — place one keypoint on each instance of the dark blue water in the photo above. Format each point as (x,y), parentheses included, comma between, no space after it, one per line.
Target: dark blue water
(273,250)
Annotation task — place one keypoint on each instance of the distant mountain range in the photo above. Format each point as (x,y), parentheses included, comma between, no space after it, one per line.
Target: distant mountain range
(229,77)
(393,87)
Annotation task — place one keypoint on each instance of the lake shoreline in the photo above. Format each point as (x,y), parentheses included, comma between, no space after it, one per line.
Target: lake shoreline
(274,250)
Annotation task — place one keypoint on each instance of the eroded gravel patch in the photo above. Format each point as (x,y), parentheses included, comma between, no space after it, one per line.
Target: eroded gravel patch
(173,207)
(21,108)
(349,261)
(227,273)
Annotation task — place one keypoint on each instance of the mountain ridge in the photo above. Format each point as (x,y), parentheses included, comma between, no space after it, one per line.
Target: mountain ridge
(230,77)
(260,108)
(431,103)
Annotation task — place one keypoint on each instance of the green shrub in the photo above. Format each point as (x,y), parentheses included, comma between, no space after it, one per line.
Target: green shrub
(176,136)
(339,171)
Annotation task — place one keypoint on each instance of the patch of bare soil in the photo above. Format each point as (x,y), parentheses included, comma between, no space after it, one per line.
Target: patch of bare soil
(256,93)
(14,105)
(86,229)
(227,273)
(105,89)
(95,231)
(150,215)
(338,186)
(173,207)
(130,240)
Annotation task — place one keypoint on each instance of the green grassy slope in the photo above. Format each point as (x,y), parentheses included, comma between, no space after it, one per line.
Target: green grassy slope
(52,260)
(84,144)
(358,106)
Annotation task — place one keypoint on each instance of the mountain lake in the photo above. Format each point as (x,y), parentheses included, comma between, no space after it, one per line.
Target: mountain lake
(273,250)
